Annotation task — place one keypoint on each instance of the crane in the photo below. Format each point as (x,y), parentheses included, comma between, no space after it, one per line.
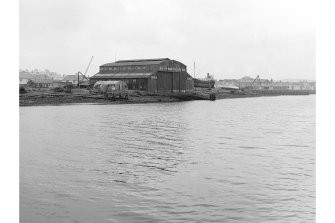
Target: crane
(88,66)
(259,81)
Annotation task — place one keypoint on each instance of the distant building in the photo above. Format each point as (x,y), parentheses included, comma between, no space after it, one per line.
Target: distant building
(73,79)
(300,86)
(24,82)
(278,85)
(292,85)
(36,74)
(26,75)
(265,84)
(313,85)
(32,80)
(41,83)
(151,75)
(247,82)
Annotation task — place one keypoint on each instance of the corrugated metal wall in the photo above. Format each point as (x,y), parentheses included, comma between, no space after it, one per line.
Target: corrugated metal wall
(152,84)
(174,82)
(183,81)
(164,81)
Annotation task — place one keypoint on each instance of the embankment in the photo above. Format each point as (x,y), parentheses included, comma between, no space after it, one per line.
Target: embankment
(79,96)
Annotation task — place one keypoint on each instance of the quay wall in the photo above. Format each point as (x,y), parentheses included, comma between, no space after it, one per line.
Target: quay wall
(283,92)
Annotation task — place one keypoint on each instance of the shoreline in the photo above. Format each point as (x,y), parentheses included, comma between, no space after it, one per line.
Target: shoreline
(81,96)
(48,98)
(104,102)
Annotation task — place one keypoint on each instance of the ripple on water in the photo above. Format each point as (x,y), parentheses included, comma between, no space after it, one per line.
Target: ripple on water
(241,160)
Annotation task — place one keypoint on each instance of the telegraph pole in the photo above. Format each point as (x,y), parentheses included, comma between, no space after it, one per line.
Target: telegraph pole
(172,77)
(78,80)
(194,69)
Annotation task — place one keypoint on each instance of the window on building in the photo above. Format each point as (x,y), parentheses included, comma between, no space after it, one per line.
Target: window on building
(176,69)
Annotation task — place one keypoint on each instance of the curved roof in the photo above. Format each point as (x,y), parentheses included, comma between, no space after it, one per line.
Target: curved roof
(141,60)
(107,82)
(122,75)
(136,62)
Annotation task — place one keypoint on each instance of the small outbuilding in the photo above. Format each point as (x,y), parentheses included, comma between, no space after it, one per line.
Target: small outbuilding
(151,75)
(104,86)
(24,82)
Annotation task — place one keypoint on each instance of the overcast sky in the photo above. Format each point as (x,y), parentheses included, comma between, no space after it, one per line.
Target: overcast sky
(226,38)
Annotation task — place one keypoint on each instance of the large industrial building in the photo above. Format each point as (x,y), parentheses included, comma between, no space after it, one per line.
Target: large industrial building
(151,75)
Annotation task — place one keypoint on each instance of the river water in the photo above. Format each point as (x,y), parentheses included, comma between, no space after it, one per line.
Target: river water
(232,160)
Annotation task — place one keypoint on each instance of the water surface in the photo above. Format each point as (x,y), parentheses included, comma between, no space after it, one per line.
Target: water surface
(234,160)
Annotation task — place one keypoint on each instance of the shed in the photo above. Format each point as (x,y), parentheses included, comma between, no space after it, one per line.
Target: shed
(151,75)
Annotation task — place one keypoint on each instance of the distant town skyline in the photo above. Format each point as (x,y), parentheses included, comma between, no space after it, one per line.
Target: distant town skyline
(53,73)
(228,39)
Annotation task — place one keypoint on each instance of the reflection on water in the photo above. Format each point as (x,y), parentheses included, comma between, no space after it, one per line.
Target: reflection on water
(238,160)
